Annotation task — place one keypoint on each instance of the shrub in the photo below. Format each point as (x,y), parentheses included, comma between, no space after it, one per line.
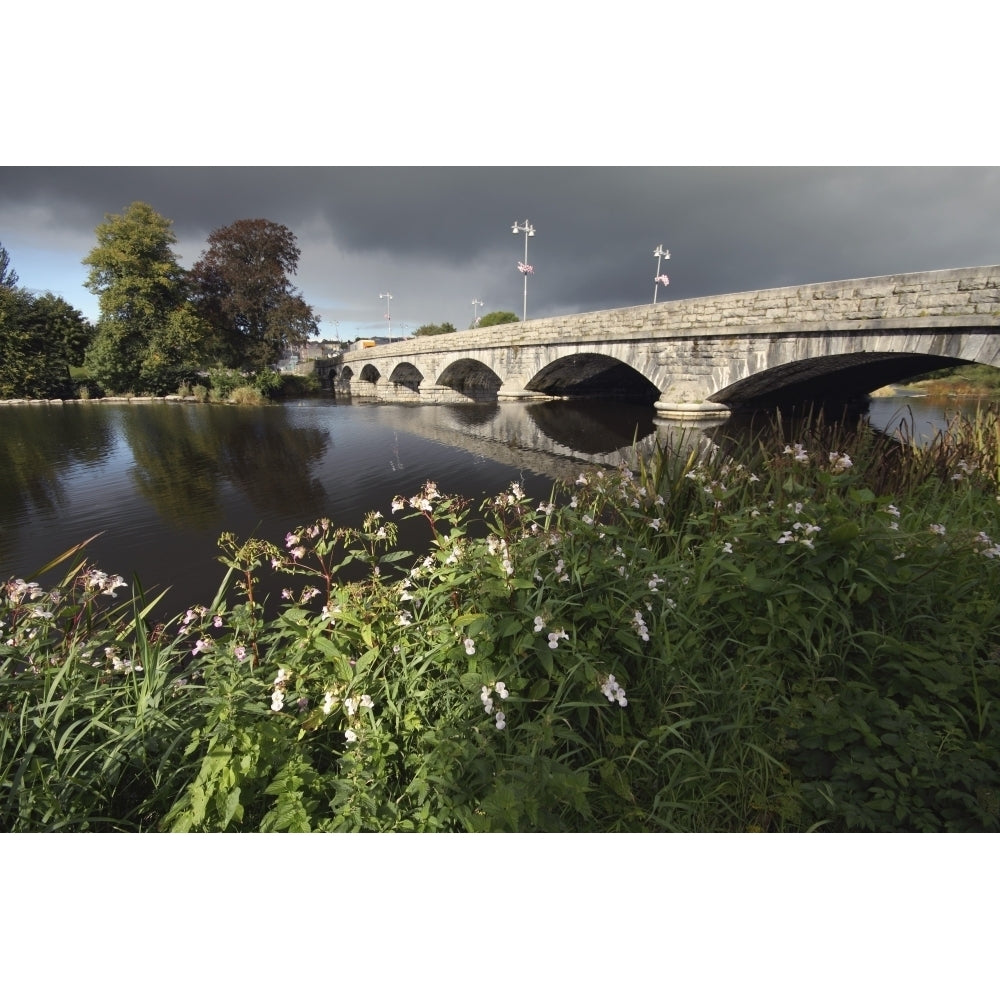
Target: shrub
(246,395)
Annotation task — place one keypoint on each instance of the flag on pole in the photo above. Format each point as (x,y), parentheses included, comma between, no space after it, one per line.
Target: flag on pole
(525,268)
(662,279)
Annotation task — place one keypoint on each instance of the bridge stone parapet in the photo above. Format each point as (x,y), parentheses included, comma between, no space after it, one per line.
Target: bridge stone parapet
(709,354)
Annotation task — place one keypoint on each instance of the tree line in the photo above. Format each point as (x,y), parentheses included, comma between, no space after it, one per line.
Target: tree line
(159,324)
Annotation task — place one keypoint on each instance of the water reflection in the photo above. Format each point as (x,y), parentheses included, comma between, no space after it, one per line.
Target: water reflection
(163,481)
(185,455)
(39,448)
(592,427)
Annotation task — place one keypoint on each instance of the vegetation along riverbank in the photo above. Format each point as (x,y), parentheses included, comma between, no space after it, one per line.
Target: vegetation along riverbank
(804,639)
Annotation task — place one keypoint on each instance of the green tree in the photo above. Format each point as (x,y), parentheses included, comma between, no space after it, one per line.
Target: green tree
(8,276)
(142,295)
(433,329)
(242,289)
(496,318)
(39,339)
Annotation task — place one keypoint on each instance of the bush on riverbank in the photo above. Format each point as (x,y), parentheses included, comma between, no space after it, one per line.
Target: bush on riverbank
(807,640)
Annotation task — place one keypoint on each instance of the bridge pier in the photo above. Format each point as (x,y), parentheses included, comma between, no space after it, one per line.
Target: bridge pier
(693,413)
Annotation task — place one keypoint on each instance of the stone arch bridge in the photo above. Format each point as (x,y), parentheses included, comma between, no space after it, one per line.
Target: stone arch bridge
(705,357)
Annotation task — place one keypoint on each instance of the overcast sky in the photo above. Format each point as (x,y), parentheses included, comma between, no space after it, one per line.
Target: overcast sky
(766,83)
(436,238)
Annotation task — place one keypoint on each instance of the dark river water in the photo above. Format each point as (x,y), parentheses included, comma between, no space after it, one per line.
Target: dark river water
(159,482)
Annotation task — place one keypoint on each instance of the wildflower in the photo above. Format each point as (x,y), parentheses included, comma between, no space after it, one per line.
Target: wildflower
(613,691)
(202,646)
(539,623)
(728,548)
(298,552)
(350,705)
(501,720)
(938,529)
(277,700)
(799,454)
(217,621)
(240,652)
(654,582)
(554,638)
(351,736)
(398,504)
(366,701)
(640,627)
(405,618)
(470,646)
(501,689)
(840,463)
(328,700)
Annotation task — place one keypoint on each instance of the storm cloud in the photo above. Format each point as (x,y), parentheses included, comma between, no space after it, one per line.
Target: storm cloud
(436,238)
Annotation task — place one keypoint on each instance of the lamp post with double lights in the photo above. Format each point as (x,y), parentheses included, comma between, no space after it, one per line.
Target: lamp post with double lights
(522,265)
(476,304)
(661,279)
(388,310)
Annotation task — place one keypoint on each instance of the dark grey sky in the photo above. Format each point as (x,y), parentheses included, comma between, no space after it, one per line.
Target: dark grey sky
(438,237)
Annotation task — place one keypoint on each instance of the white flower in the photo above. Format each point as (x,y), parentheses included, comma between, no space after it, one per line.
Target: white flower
(938,529)
(840,463)
(366,701)
(277,700)
(350,705)
(539,623)
(501,689)
(328,703)
(470,646)
(351,736)
(501,720)
(554,638)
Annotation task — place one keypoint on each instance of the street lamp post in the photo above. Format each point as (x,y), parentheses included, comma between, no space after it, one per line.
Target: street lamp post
(661,279)
(388,317)
(476,303)
(522,265)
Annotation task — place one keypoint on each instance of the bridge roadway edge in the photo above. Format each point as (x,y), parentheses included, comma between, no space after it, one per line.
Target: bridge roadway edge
(692,350)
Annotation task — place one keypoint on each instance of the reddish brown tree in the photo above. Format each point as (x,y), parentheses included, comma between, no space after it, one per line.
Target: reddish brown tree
(241,285)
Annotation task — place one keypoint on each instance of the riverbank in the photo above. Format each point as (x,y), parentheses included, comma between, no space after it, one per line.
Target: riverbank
(803,641)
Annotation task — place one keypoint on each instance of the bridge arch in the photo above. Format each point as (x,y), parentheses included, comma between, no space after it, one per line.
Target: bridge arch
(470,377)
(592,374)
(369,373)
(406,374)
(840,377)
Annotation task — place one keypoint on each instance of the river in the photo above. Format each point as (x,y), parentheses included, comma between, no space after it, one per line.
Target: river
(159,482)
